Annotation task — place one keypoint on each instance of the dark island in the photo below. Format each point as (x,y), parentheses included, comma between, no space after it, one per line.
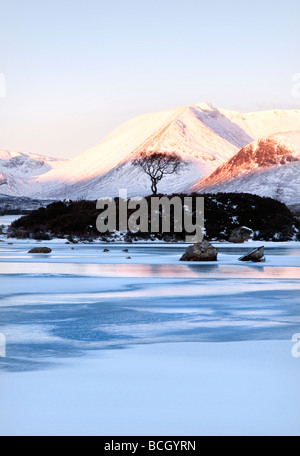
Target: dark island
(75,221)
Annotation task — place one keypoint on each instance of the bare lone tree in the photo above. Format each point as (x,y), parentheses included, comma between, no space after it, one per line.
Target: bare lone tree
(157,165)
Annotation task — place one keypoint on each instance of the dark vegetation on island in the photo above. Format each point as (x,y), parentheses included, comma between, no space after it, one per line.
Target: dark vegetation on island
(75,221)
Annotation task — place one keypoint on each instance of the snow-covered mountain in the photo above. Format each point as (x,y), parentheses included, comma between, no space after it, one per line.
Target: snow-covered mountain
(23,164)
(268,167)
(106,167)
(19,171)
(204,136)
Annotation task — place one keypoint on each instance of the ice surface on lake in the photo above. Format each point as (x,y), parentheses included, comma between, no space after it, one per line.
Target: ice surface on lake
(148,344)
(7,220)
(241,388)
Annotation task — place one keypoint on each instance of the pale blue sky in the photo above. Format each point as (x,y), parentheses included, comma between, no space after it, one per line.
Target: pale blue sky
(76,69)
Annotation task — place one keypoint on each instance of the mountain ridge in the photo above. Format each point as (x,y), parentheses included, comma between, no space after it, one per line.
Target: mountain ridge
(268,167)
(204,136)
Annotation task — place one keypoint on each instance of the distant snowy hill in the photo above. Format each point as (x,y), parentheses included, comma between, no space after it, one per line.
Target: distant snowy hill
(204,136)
(20,205)
(26,164)
(268,167)
(19,170)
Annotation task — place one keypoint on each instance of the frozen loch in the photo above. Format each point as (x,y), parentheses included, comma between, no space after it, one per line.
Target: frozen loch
(96,343)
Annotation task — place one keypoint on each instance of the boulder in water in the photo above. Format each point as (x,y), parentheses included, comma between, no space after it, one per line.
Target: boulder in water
(202,251)
(256,255)
(44,250)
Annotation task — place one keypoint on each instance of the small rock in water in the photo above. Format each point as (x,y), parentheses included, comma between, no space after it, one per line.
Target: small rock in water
(44,250)
(105,250)
(256,255)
